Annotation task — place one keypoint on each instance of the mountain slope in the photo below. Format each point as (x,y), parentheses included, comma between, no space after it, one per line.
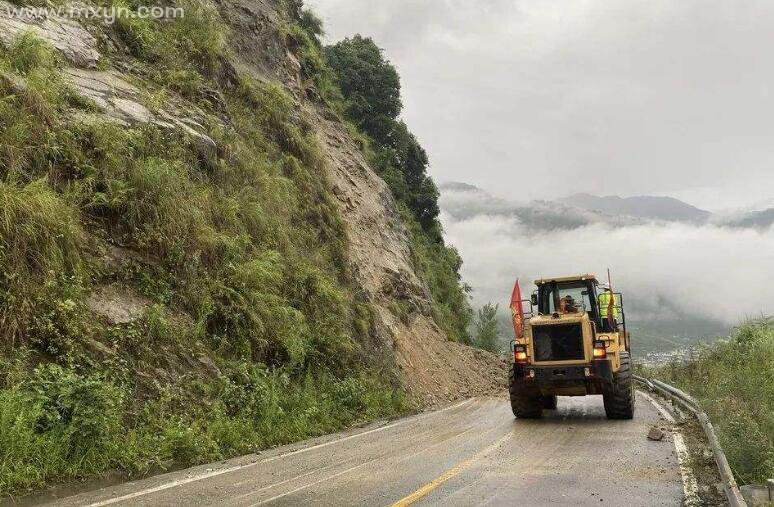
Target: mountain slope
(754,219)
(196,261)
(647,207)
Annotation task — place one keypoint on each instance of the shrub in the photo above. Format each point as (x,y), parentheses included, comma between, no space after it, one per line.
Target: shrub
(252,319)
(28,52)
(58,424)
(733,380)
(39,243)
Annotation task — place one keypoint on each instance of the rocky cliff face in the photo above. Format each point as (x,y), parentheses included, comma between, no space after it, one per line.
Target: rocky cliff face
(433,368)
(379,260)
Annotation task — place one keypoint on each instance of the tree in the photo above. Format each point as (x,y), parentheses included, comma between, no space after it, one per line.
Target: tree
(371,89)
(487,336)
(369,83)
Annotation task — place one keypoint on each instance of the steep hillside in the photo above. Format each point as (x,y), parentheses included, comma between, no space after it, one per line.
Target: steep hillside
(733,380)
(197,259)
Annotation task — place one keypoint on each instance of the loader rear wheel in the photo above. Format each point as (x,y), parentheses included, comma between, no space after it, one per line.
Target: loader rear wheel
(619,397)
(549,402)
(525,405)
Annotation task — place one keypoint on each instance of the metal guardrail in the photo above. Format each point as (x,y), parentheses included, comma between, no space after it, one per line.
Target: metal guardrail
(730,487)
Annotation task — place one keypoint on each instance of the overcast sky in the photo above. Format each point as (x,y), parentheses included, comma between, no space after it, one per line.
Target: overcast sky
(540,99)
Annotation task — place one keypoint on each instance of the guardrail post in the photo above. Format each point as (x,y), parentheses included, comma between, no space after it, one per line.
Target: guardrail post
(770,484)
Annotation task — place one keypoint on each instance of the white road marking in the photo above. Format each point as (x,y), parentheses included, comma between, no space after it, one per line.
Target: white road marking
(215,473)
(280,483)
(300,488)
(690,486)
(401,460)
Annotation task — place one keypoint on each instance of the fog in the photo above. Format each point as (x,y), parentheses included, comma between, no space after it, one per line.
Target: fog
(538,100)
(666,269)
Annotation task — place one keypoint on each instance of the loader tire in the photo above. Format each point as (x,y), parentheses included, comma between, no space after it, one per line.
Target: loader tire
(549,402)
(619,397)
(524,404)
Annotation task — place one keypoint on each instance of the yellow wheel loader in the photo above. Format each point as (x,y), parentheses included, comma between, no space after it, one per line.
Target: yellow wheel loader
(572,342)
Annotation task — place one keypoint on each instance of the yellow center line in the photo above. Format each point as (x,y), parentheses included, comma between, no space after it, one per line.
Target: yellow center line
(430,486)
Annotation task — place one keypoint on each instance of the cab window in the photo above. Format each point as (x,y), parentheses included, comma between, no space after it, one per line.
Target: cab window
(572,297)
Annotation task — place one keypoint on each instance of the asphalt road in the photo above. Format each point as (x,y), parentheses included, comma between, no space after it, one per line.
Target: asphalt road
(471,453)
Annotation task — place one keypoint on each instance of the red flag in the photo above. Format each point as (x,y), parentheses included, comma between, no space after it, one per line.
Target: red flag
(517,310)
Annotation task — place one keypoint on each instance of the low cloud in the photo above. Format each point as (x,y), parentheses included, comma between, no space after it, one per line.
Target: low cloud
(666,270)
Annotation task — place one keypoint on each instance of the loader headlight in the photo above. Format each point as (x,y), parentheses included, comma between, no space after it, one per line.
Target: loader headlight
(520,353)
(600,351)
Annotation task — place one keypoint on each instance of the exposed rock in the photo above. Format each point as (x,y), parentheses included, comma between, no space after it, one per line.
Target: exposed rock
(98,347)
(656,434)
(434,369)
(121,102)
(117,305)
(72,40)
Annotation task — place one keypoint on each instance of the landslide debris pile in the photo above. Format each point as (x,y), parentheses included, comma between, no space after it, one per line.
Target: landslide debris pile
(197,259)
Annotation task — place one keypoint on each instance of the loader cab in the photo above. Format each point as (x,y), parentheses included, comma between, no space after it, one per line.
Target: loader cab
(576,295)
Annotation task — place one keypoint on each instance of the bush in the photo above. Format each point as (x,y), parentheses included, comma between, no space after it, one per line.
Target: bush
(252,319)
(58,424)
(39,243)
(733,381)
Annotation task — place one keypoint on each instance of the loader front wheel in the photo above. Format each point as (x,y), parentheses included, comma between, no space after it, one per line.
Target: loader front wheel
(619,397)
(524,404)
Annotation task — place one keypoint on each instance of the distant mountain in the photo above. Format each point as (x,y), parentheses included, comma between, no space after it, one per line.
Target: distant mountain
(462,201)
(646,207)
(755,219)
(459,186)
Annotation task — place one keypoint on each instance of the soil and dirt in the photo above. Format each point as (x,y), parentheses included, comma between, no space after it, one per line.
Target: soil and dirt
(434,369)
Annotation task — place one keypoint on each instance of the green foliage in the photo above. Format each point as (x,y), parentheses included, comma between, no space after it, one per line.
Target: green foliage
(39,246)
(251,319)
(239,245)
(314,66)
(370,85)
(734,382)
(311,23)
(184,51)
(487,334)
(28,53)
(62,424)
(58,424)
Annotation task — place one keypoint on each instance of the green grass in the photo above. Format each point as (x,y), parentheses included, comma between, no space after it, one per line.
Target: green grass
(240,248)
(39,245)
(60,424)
(733,381)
